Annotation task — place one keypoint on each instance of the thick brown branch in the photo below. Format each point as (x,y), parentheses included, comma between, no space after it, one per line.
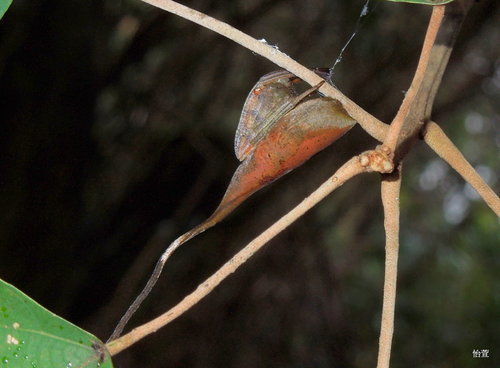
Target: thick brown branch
(391,185)
(417,105)
(444,147)
(410,99)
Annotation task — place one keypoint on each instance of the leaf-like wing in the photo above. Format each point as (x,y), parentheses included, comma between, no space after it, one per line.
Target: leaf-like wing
(268,100)
(298,135)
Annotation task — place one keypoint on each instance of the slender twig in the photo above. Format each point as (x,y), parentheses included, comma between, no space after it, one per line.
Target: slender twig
(369,123)
(444,147)
(350,169)
(390,189)
(435,22)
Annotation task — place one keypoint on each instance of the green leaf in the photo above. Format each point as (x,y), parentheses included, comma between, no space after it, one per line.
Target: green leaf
(4,5)
(423,2)
(31,336)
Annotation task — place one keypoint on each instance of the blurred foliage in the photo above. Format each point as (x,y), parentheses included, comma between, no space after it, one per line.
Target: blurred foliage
(4,5)
(118,122)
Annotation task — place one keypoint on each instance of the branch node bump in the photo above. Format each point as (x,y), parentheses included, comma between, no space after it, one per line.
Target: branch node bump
(379,160)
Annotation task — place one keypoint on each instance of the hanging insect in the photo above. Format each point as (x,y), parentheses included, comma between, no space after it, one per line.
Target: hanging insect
(272,97)
(278,131)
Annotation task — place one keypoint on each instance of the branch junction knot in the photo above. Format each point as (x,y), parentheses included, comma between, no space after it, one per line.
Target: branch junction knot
(379,160)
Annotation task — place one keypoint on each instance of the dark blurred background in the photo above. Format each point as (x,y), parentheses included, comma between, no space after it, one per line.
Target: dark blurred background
(117,125)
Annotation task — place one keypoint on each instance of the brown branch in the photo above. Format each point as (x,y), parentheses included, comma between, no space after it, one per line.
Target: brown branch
(443,29)
(392,138)
(350,169)
(444,147)
(369,123)
(416,108)
(390,190)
